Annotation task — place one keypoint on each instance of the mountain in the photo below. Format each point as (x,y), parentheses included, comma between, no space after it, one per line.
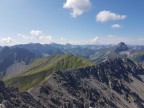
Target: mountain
(42,50)
(96,53)
(13,60)
(121,47)
(119,51)
(52,49)
(79,51)
(42,68)
(115,83)
(12,98)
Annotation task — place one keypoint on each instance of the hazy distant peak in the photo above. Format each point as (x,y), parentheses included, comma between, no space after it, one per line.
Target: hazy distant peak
(121,47)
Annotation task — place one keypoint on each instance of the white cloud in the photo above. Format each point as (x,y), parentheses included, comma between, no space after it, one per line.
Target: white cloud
(45,39)
(78,6)
(7,41)
(41,37)
(116,26)
(94,40)
(77,42)
(36,36)
(62,39)
(105,16)
(36,33)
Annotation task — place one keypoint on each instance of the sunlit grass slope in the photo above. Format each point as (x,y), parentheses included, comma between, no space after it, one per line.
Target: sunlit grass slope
(39,71)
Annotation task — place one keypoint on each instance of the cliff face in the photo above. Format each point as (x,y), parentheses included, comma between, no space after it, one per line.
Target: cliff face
(121,47)
(14,60)
(114,84)
(12,98)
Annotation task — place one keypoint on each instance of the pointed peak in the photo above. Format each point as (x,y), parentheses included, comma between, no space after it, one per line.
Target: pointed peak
(121,43)
(121,47)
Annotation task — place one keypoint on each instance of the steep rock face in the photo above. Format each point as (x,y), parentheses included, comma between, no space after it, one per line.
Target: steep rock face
(15,68)
(12,98)
(121,47)
(119,51)
(12,56)
(111,84)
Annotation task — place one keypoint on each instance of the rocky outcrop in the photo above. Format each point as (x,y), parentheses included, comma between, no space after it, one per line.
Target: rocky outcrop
(111,84)
(121,47)
(12,98)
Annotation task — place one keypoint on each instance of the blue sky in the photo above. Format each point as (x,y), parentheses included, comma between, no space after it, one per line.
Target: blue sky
(71,21)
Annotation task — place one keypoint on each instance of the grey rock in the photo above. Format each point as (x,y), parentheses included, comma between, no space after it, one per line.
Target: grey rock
(111,84)
(12,98)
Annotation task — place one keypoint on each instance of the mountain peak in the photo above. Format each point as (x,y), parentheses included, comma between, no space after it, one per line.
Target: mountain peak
(121,47)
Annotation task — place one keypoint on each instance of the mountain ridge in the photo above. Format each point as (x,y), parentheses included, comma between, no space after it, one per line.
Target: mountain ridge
(40,70)
(110,84)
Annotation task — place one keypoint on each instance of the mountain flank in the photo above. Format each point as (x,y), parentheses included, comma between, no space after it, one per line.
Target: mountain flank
(115,83)
(121,47)
(12,98)
(42,68)
(14,60)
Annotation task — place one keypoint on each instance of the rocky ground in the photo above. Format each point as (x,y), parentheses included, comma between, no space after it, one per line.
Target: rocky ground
(112,84)
(12,98)
(115,83)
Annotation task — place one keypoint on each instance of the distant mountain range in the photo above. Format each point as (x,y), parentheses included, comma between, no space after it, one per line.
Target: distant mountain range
(16,59)
(119,51)
(91,52)
(72,76)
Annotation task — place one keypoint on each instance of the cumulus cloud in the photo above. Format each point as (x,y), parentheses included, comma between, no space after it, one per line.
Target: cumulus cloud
(36,36)
(45,39)
(116,26)
(62,38)
(41,37)
(105,16)
(94,40)
(78,7)
(7,41)
(36,33)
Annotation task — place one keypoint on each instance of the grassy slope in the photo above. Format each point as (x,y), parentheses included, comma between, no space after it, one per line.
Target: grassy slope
(40,70)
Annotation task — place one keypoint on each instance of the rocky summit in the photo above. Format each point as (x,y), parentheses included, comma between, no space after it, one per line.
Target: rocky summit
(121,47)
(115,83)
(12,98)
